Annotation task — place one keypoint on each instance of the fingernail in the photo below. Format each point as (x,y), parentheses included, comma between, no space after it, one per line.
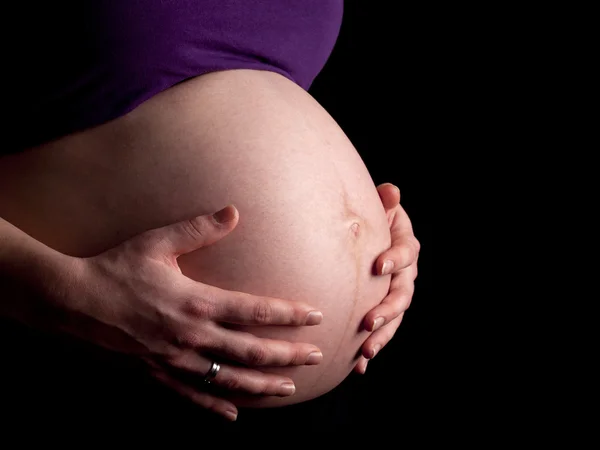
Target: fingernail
(377,323)
(314,318)
(287,388)
(314,358)
(375,350)
(363,369)
(387,267)
(225,215)
(231,415)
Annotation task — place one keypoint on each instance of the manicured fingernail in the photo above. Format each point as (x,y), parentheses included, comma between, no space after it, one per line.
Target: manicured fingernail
(314,358)
(387,267)
(314,318)
(287,388)
(375,350)
(377,323)
(231,415)
(225,215)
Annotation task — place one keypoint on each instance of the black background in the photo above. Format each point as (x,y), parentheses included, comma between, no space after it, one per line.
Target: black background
(384,85)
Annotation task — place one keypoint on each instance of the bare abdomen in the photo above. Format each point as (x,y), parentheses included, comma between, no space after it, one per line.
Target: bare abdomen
(311,223)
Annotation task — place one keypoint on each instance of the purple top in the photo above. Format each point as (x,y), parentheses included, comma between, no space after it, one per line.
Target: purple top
(88,62)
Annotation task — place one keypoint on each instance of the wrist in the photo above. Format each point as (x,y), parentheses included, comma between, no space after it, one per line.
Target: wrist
(36,281)
(57,277)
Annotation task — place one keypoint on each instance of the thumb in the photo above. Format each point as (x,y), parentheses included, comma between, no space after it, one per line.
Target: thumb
(389,194)
(192,234)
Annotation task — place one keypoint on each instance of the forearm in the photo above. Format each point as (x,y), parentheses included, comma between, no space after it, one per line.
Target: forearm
(31,274)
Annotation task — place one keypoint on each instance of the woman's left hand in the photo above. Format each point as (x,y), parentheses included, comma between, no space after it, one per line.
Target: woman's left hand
(400,260)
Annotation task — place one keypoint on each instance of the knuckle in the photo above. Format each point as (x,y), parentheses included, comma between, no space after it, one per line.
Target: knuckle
(143,243)
(413,245)
(174,360)
(402,305)
(262,312)
(409,253)
(294,356)
(409,299)
(188,339)
(410,248)
(234,382)
(299,356)
(256,355)
(195,228)
(202,308)
(265,387)
(229,306)
(417,244)
(206,401)
(167,350)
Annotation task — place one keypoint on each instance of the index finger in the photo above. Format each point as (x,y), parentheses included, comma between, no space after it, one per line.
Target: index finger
(246,309)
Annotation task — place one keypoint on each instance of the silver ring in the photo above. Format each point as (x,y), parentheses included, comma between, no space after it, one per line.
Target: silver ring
(212,373)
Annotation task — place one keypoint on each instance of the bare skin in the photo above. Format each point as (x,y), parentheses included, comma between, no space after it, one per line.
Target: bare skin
(311,224)
(400,260)
(133,299)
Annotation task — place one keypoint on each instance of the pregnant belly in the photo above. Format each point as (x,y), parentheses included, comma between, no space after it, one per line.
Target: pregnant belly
(311,223)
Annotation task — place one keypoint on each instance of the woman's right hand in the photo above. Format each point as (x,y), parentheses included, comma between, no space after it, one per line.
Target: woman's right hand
(134,299)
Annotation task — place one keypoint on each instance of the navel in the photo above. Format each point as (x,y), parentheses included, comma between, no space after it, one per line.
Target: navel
(355,229)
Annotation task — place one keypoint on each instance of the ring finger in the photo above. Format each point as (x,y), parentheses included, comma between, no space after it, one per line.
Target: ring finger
(232,377)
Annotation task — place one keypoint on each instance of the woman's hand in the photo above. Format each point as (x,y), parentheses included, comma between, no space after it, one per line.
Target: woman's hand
(134,299)
(400,260)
